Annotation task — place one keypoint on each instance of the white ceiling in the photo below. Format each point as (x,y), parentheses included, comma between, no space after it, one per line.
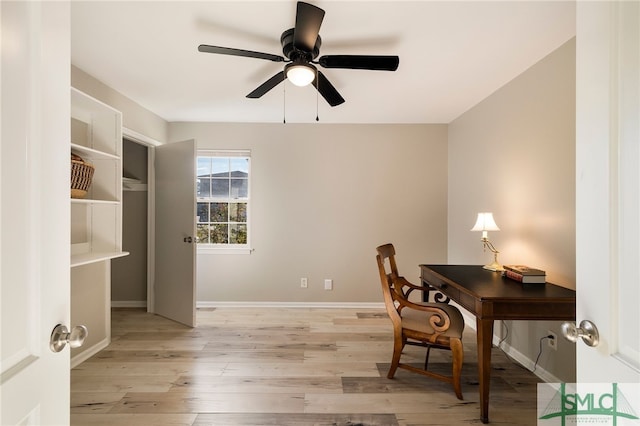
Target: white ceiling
(452,55)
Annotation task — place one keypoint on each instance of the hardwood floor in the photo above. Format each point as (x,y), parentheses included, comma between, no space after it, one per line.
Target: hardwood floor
(281,366)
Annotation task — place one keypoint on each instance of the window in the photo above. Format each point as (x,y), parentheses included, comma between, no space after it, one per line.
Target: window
(223,199)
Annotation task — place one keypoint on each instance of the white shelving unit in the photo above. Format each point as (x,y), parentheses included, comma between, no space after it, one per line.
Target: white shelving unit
(96,220)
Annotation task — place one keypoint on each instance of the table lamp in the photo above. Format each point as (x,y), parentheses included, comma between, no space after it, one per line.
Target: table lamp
(486,223)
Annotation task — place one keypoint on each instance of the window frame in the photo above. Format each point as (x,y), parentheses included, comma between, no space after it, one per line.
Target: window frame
(209,248)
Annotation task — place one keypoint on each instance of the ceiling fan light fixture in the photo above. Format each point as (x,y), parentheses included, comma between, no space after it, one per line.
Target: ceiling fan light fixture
(300,73)
(301,46)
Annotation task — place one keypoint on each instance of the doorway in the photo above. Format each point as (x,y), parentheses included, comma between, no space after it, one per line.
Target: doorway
(137,148)
(129,275)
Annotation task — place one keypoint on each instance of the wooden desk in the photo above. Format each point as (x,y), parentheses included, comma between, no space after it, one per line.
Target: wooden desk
(489,297)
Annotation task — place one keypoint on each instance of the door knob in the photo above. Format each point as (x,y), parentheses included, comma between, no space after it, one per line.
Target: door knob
(188,240)
(61,336)
(587,330)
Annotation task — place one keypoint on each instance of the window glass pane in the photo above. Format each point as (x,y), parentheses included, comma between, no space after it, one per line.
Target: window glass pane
(239,166)
(219,212)
(203,212)
(219,234)
(202,232)
(203,188)
(238,234)
(220,188)
(237,212)
(204,166)
(220,166)
(239,188)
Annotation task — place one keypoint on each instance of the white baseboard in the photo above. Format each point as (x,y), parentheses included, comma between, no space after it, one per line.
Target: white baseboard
(89,352)
(128,303)
(328,305)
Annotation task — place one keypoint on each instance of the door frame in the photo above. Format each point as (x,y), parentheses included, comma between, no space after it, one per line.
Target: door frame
(150,143)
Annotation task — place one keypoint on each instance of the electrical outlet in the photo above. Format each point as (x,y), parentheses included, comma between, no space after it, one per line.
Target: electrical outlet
(553,340)
(304,283)
(328,284)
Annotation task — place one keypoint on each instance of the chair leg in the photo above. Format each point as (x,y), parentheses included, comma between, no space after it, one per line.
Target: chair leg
(426,358)
(398,345)
(458,355)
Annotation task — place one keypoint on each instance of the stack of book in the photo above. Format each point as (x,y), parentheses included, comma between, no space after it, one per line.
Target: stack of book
(524,274)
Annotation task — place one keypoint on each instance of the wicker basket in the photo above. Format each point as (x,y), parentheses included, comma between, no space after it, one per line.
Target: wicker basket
(81,175)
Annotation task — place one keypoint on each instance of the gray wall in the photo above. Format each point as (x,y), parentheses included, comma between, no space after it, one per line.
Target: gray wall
(129,273)
(514,154)
(323,197)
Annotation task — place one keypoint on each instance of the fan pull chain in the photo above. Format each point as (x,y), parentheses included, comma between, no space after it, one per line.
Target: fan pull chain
(317,91)
(284,102)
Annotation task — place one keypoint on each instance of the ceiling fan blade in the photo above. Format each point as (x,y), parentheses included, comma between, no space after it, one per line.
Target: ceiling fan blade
(326,89)
(267,85)
(360,62)
(308,21)
(239,52)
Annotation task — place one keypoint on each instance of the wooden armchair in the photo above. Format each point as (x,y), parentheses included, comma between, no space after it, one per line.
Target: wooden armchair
(437,325)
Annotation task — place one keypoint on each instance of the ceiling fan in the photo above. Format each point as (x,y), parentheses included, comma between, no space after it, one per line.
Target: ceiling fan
(301,46)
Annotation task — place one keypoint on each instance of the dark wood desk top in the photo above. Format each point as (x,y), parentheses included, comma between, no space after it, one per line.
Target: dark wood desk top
(484,284)
(488,294)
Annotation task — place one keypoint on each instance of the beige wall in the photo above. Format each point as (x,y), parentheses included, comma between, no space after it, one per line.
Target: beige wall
(134,116)
(323,197)
(514,154)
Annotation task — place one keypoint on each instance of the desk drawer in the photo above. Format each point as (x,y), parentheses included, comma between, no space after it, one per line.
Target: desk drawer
(441,286)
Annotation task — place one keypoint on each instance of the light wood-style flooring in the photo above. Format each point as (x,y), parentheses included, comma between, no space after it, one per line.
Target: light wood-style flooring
(281,366)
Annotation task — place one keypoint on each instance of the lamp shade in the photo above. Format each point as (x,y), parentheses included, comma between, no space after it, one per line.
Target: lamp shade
(300,74)
(485,222)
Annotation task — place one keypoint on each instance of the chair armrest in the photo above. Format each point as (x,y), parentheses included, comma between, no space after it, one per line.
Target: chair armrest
(405,283)
(401,284)
(439,320)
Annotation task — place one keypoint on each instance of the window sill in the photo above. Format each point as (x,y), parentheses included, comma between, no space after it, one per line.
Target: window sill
(224,250)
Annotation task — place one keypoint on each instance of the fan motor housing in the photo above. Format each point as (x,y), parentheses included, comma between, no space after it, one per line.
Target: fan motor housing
(293,53)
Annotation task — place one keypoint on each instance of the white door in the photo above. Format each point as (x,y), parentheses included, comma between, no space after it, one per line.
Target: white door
(175,246)
(35,211)
(608,189)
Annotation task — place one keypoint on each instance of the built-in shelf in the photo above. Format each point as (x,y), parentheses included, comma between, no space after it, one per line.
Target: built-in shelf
(87,258)
(92,154)
(96,219)
(91,201)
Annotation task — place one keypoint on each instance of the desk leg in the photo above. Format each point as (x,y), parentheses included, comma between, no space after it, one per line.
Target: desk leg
(485,336)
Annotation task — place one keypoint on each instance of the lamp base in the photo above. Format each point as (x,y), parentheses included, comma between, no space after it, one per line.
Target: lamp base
(495,267)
